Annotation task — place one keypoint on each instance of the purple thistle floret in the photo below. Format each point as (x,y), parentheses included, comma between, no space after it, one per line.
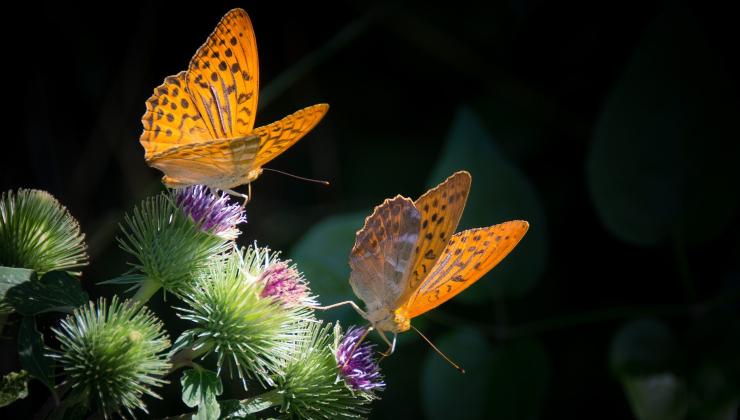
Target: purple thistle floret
(359,369)
(285,284)
(214,213)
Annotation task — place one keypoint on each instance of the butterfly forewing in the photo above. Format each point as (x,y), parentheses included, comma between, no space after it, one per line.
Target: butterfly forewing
(171,118)
(275,138)
(440,210)
(223,77)
(468,256)
(383,253)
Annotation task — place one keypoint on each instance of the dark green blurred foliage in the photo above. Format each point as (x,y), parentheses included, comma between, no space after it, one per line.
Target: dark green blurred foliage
(610,126)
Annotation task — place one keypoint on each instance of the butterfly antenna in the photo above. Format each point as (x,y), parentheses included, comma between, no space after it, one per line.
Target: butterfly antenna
(455,365)
(318,181)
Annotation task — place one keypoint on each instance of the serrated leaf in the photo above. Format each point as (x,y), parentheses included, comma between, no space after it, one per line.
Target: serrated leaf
(500,192)
(55,291)
(13,387)
(663,161)
(200,387)
(31,351)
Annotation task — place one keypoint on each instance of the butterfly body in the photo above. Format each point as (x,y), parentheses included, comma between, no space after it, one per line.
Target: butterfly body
(199,124)
(407,258)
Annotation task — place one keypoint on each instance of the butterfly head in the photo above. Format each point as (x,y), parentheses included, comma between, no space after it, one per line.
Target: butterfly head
(253,174)
(395,321)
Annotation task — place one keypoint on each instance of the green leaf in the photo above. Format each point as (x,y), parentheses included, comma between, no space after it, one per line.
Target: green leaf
(200,388)
(56,291)
(644,356)
(322,254)
(662,396)
(246,409)
(643,347)
(446,392)
(14,386)
(500,192)
(31,351)
(11,277)
(664,155)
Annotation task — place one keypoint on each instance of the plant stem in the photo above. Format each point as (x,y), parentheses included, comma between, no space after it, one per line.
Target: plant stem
(147,289)
(271,398)
(185,356)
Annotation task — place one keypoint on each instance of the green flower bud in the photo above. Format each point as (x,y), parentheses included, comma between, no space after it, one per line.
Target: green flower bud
(169,245)
(38,233)
(250,333)
(312,384)
(112,354)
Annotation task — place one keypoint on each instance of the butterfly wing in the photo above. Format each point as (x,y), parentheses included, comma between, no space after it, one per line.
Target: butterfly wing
(275,138)
(440,209)
(383,253)
(468,256)
(217,163)
(171,118)
(223,77)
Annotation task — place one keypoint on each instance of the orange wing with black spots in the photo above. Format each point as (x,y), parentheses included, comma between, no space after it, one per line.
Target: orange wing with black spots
(275,138)
(223,77)
(199,124)
(440,209)
(171,118)
(468,256)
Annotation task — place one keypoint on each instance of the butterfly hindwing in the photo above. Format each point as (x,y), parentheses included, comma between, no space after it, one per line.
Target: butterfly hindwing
(223,77)
(383,253)
(207,163)
(468,256)
(440,209)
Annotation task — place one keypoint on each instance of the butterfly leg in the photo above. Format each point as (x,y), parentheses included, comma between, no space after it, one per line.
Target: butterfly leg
(346,302)
(236,194)
(391,345)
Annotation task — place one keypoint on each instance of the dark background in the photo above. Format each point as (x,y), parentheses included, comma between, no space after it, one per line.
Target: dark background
(611,127)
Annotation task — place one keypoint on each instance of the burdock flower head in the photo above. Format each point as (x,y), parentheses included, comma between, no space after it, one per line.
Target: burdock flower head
(175,235)
(250,333)
(357,366)
(38,233)
(112,354)
(284,283)
(313,384)
(214,213)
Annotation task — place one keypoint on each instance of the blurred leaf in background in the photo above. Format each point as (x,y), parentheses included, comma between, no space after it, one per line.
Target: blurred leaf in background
(500,192)
(664,157)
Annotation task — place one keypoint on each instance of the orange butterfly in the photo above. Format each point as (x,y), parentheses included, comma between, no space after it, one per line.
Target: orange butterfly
(198,125)
(407,259)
